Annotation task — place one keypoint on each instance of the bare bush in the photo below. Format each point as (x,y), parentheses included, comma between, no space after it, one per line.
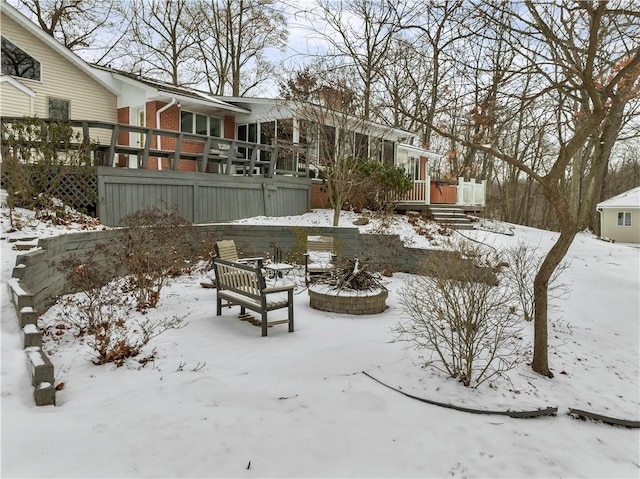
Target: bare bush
(96,301)
(156,246)
(102,312)
(469,327)
(524,263)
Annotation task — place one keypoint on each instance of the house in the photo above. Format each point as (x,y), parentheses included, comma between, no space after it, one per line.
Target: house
(620,217)
(262,136)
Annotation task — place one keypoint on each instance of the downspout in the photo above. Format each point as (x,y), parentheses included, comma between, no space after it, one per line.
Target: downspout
(599,210)
(159,137)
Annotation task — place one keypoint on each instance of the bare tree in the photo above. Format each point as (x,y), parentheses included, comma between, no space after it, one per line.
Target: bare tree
(160,42)
(359,33)
(232,37)
(75,23)
(584,60)
(336,138)
(421,76)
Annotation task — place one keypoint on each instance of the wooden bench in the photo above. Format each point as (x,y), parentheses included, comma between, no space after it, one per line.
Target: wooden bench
(244,286)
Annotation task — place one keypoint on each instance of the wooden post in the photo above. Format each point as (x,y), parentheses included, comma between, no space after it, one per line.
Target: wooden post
(252,162)
(112,145)
(85,143)
(232,153)
(176,154)
(205,155)
(147,147)
(273,161)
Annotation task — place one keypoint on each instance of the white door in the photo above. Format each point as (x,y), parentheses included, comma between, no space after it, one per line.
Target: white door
(136,139)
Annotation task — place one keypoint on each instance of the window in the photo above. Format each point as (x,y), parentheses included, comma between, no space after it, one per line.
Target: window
(624,219)
(388,152)
(362,146)
(286,156)
(58,109)
(18,63)
(200,124)
(267,137)
(327,137)
(413,168)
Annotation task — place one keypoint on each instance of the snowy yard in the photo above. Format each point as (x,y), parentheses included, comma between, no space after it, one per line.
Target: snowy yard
(221,401)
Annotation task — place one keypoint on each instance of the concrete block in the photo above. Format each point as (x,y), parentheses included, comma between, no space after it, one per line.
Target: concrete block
(26,316)
(39,367)
(21,298)
(44,394)
(31,336)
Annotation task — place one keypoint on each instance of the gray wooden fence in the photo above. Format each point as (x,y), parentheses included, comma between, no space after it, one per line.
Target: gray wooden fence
(199,197)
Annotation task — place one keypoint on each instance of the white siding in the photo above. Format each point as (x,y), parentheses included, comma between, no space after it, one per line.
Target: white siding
(620,234)
(13,101)
(88,99)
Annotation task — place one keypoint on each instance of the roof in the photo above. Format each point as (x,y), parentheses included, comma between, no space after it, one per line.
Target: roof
(420,151)
(38,32)
(23,88)
(628,199)
(164,89)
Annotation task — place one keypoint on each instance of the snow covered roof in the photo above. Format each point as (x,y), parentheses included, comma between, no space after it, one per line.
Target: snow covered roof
(629,199)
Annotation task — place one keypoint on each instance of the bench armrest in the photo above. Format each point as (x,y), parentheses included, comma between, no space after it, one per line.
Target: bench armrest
(278,289)
(256,258)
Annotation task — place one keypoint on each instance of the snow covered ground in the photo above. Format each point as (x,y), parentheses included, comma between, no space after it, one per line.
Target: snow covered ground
(221,401)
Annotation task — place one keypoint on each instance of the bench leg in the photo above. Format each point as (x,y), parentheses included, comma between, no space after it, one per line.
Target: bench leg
(264,323)
(290,308)
(218,307)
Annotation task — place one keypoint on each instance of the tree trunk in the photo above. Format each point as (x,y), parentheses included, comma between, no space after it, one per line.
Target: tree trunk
(540,362)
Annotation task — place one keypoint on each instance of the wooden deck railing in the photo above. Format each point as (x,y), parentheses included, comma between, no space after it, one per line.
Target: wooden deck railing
(216,154)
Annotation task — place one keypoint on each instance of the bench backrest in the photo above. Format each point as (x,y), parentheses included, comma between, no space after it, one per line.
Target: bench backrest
(320,243)
(240,278)
(226,249)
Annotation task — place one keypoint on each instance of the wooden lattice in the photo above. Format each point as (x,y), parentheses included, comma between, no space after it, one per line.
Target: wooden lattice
(78,189)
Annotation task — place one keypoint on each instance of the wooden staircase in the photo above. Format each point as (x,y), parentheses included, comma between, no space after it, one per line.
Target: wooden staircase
(451,216)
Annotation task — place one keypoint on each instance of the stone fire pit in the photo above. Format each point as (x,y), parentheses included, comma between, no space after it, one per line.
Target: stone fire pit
(326,298)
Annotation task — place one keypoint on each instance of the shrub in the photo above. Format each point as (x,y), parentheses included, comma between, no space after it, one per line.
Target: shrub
(101,312)
(469,328)
(154,247)
(39,159)
(379,184)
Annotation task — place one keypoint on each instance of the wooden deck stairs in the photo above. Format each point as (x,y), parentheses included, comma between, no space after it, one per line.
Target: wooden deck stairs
(451,216)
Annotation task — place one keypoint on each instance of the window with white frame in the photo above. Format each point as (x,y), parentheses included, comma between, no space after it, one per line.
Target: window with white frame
(624,218)
(387,153)
(18,63)
(200,124)
(413,168)
(58,109)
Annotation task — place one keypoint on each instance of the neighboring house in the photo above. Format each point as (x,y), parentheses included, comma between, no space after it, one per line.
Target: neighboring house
(620,217)
(40,77)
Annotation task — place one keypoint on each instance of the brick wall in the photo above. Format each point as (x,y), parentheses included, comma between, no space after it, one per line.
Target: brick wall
(319,196)
(170,120)
(229,127)
(123,136)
